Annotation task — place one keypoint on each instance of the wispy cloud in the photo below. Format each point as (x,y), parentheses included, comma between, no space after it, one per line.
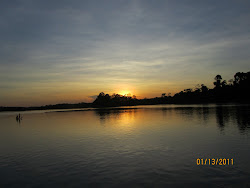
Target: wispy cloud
(95,45)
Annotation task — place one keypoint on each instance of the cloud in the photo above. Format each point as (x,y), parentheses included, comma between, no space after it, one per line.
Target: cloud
(98,44)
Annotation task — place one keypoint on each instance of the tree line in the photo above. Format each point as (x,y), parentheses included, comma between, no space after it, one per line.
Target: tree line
(235,90)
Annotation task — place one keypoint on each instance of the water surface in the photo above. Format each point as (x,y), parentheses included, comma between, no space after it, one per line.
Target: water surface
(142,146)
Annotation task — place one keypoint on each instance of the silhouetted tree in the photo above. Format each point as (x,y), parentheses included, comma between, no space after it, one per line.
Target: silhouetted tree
(189,90)
(217,82)
(204,88)
(224,83)
(104,100)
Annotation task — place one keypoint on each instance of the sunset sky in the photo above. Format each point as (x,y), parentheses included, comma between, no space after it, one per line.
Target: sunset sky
(65,51)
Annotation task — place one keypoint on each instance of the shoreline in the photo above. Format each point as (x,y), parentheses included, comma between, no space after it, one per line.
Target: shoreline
(90,107)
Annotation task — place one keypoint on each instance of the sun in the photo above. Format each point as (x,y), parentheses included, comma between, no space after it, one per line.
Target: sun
(125,92)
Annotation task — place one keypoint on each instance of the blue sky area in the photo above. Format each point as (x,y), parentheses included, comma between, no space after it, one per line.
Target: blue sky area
(67,51)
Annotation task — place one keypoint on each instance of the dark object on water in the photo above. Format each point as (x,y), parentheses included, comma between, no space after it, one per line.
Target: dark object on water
(18,118)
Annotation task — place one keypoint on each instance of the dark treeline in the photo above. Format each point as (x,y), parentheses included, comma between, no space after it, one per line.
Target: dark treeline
(103,100)
(236,90)
(48,107)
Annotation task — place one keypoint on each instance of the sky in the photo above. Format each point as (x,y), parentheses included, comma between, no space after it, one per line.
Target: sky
(64,51)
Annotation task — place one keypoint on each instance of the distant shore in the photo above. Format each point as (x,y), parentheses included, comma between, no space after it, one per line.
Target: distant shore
(237,90)
(78,107)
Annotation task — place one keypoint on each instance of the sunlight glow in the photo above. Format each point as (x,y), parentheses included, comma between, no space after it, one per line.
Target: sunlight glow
(125,93)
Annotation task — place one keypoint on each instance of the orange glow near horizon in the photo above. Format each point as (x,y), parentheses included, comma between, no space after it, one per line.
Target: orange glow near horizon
(125,93)
(76,93)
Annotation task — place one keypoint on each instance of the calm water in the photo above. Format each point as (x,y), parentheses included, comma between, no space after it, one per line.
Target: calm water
(143,146)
